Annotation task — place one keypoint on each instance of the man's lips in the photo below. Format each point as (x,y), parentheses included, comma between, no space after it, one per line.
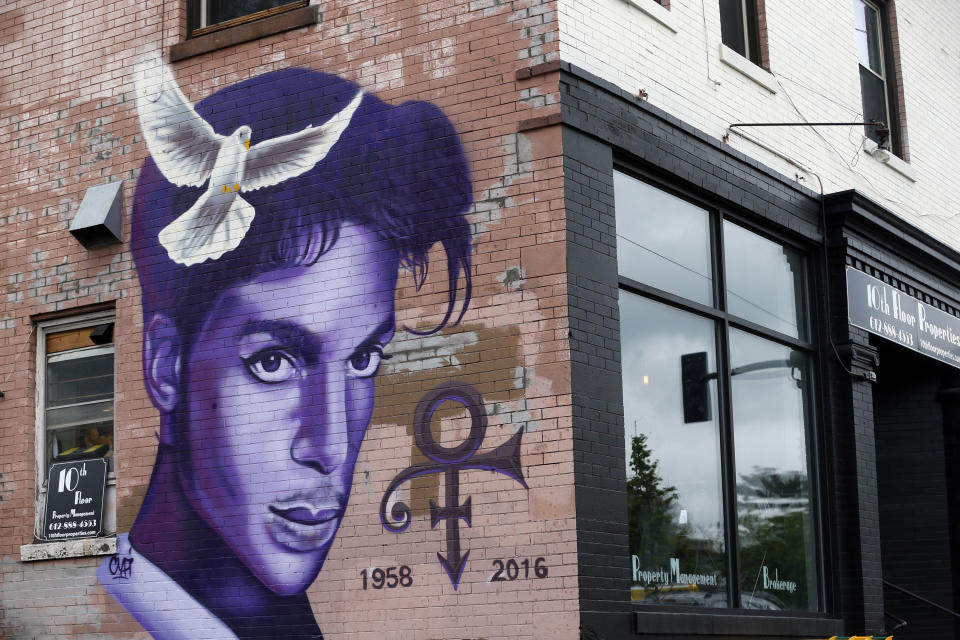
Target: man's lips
(307,514)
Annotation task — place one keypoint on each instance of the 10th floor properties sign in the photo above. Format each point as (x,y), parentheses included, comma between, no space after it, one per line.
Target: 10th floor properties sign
(888,312)
(75,499)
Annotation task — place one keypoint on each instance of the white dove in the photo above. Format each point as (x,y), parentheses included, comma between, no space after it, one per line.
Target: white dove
(189,153)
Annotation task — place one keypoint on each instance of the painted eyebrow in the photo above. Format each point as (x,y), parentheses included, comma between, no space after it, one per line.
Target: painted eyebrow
(294,336)
(289,334)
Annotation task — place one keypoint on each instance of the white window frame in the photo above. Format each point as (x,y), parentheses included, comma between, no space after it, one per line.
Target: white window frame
(42,549)
(881,35)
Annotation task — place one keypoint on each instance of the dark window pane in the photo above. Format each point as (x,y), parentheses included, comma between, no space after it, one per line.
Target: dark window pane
(79,400)
(765,282)
(662,241)
(770,387)
(673,467)
(223,10)
(874,92)
(753,31)
(73,378)
(80,414)
(732,25)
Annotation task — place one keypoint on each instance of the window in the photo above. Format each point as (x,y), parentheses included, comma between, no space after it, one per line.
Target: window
(740,28)
(212,15)
(718,387)
(875,63)
(75,400)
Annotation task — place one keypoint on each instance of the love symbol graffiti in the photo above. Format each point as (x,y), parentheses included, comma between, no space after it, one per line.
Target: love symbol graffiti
(450,461)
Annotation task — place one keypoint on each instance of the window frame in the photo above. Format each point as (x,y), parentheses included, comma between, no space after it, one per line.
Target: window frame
(723,322)
(196,26)
(40,428)
(751,14)
(891,78)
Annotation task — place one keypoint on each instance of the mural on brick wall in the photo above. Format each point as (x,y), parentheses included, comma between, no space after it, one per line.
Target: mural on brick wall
(270,223)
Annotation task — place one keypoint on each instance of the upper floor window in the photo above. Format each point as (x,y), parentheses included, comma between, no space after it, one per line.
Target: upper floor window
(75,398)
(740,28)
(212,15)
(718,371)
(875,81)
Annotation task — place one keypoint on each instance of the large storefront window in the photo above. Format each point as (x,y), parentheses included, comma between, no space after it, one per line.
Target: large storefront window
(717,392)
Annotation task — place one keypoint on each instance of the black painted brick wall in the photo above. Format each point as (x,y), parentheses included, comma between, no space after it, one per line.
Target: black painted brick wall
(602,125)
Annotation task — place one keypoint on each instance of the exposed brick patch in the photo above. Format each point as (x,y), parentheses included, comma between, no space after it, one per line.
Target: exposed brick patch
(540,121)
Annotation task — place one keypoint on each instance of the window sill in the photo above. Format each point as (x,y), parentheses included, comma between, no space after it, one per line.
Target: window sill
(656,11)
(302,17)
(888,158)
(733,623)
(758,74)
(68,549)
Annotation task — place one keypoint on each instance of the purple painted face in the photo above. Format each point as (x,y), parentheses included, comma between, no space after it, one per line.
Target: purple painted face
(280,394)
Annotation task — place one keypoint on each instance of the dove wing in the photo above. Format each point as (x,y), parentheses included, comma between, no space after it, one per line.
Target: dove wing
(183,144)
(273,161)
(215,224)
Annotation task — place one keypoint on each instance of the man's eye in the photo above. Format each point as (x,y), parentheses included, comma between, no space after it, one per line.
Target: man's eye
(271,366)
(365,361)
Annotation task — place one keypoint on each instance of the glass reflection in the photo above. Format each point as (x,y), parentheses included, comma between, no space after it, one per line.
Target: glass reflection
(764,281)
(79,399)
(222,10)
(662,241)
(868,36)
(673,471)
(770,386)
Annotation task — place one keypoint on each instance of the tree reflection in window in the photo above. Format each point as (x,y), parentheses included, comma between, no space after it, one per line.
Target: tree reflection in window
(774,523)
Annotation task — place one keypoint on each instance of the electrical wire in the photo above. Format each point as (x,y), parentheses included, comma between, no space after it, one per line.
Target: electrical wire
(706,44)
(17,357)
(706,277)
(850,167)
(855,112)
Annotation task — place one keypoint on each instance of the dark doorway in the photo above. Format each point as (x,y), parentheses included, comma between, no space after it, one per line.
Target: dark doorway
(915,424)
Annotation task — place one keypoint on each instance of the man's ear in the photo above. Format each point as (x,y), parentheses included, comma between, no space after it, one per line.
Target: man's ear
(161,362)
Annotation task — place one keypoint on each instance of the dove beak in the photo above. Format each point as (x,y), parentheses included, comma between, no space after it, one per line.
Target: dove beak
(246,144)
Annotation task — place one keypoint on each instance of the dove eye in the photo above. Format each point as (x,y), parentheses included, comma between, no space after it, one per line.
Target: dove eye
(272,366)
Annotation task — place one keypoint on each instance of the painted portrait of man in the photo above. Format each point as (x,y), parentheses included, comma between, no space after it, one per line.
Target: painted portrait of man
(261,359)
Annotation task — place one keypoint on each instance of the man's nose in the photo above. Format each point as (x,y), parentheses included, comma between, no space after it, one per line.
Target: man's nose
(322,439)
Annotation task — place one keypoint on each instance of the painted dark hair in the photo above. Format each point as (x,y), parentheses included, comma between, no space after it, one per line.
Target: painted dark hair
(399,169)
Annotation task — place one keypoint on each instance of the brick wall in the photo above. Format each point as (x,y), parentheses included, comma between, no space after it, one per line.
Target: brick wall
(674,56)
(68,122)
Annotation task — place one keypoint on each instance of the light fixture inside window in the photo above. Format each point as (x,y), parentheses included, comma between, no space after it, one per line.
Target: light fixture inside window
(102,334)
